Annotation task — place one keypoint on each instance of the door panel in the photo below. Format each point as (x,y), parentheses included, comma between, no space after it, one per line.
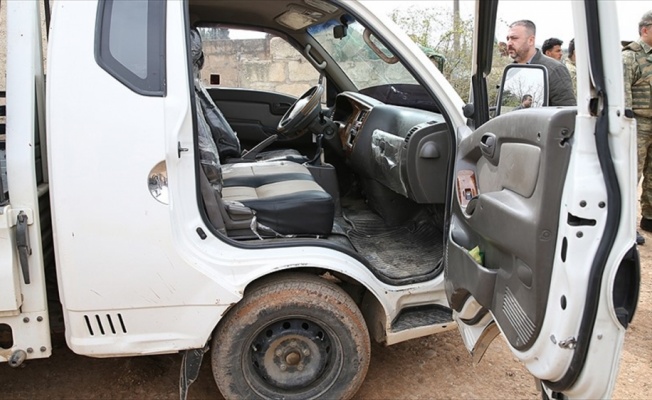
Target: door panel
(255,114)
(256,77)
(519,165)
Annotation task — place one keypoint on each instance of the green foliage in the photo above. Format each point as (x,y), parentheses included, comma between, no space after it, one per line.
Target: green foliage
(437,29)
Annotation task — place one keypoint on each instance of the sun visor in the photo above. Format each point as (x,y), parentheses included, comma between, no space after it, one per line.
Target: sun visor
(298,17)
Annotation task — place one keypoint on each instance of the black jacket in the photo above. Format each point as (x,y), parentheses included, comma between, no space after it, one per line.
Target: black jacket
(559,80)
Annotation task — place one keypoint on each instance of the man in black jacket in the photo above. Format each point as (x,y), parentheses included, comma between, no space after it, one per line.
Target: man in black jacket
(520,46)
(526,102)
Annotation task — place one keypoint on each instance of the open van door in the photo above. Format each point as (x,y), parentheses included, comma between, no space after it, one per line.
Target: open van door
(541,241)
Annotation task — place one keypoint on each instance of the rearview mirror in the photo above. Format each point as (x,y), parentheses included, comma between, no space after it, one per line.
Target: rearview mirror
(340,31)
(523,86)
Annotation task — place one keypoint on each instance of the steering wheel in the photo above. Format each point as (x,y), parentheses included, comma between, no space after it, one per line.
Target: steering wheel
(301,113)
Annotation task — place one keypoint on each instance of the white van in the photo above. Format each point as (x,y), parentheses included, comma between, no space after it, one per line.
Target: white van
(372,202)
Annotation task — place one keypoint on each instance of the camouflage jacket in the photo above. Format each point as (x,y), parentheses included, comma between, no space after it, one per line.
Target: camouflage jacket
(572,70)
(637,69)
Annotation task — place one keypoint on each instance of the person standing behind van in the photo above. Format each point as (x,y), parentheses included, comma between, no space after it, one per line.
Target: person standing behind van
(520,46)
(526,102)
(637,69)
(552,48)
(570,64)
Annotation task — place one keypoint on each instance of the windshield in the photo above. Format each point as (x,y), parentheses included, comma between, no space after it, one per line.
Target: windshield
(358,60)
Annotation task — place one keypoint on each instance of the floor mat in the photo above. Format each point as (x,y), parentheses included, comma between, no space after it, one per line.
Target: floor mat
(409,250)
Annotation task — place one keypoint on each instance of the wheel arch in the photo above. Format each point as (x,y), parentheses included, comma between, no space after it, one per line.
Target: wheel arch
(372,308)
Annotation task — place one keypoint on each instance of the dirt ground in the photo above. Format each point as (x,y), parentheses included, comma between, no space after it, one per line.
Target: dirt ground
(435,367)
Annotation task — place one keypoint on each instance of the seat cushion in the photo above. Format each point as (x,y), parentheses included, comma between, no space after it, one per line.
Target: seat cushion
(284,195)
(283,154)
(252,169)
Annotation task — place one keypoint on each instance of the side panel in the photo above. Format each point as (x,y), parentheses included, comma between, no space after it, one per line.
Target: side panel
(124,287)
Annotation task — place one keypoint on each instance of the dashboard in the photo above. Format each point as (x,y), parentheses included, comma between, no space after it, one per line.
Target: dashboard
(404,149)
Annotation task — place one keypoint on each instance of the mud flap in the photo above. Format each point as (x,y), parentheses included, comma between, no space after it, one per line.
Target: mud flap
(190,365)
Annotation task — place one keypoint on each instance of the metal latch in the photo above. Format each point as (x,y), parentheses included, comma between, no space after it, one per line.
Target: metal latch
(180,149)
(22,243)
(568,343)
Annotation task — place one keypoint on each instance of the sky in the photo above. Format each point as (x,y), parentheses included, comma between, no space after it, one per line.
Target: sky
(552,18)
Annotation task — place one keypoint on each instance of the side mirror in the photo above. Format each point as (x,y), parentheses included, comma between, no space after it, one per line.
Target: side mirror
(522,86)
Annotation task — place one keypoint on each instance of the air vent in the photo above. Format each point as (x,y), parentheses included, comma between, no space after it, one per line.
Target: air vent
(411,132)
(105,324)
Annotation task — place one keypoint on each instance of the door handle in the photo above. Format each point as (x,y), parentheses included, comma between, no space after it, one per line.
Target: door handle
(22,242)
(280,108)
(314,62)
(488,145)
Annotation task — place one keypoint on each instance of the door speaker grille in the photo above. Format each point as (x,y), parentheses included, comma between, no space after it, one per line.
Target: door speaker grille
(523,326)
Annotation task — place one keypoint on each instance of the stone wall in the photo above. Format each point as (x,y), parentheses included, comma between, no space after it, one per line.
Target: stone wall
(269,64)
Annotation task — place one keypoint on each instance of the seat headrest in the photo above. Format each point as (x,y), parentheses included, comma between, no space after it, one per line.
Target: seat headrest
(196,49)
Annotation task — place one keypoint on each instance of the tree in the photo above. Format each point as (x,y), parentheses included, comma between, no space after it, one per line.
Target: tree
(452,37)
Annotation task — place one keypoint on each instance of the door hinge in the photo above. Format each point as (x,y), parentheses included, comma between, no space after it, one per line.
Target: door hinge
(23,245)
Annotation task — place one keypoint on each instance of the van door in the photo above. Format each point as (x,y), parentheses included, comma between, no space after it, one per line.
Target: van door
(541,242)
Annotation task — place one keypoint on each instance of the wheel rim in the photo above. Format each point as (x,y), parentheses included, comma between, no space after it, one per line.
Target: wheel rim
(294,355)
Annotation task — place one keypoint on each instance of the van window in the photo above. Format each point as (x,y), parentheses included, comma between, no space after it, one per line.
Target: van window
(130,43)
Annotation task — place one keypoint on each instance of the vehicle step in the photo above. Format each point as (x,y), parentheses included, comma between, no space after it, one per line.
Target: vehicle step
(416,317)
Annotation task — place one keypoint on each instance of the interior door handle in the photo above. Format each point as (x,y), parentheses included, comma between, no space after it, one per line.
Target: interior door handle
(488,145)
(280,108)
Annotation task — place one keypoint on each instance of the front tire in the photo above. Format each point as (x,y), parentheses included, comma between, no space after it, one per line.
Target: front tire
(292,337)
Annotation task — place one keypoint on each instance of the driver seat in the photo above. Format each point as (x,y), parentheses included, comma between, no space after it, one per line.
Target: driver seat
(224,136)
(272,199)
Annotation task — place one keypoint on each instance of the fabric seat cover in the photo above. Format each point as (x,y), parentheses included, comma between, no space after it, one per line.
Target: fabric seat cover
(284,195)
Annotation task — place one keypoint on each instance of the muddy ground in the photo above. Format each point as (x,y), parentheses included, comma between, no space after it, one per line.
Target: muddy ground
(435,367)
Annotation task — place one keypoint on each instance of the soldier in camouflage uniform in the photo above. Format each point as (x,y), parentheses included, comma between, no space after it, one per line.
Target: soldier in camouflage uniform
(570,64)
(637,66)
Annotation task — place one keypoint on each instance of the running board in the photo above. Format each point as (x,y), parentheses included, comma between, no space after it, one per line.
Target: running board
(420,321)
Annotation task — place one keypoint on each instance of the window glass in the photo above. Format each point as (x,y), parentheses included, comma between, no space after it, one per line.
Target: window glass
(130,43)
(366,65)
(128,35)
